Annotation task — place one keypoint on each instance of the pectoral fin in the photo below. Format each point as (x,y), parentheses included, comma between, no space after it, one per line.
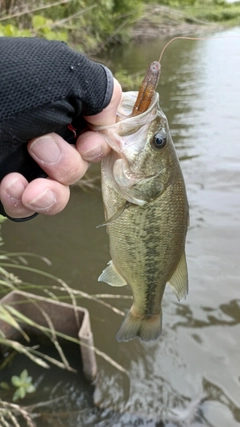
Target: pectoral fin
(179,279)
(116,215)
(111,276)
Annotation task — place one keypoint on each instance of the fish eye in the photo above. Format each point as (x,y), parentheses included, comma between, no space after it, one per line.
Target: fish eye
(159,140)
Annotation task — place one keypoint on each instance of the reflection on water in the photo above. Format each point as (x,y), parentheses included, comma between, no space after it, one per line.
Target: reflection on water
(191,375)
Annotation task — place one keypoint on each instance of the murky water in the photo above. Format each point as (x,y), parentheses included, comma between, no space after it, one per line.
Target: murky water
(197,357)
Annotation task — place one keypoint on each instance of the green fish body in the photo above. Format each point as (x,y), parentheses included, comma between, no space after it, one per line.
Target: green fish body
(146,213)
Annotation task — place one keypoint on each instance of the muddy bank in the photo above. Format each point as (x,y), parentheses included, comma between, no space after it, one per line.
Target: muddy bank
(163,21)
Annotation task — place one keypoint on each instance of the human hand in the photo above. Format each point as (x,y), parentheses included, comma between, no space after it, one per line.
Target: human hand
(64,164)
(45,87)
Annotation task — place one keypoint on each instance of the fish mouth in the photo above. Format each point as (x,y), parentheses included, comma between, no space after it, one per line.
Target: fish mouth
(124,118)
(121,134)
(128,124)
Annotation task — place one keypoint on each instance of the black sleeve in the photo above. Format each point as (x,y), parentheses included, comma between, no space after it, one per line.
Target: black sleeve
(44,87)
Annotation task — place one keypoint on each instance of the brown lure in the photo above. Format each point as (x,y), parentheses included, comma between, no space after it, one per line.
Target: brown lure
(147,89)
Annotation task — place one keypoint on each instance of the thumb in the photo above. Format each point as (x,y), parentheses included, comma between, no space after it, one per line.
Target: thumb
(108,115)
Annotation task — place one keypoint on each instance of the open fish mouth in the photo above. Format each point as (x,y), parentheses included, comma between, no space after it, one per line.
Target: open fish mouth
(126,106)
(127,130)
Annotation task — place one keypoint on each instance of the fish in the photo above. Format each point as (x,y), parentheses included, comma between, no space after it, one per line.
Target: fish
(146,215)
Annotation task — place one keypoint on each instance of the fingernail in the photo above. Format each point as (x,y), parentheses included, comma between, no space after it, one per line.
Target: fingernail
(94,154)
(14,191)
(45,149)
(43,201)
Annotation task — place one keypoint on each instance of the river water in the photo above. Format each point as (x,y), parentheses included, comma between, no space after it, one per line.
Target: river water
(192,374)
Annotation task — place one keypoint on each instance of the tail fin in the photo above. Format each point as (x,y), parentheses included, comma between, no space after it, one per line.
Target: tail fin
(147,329)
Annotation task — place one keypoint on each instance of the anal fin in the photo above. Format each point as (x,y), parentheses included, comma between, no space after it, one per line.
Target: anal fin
(179,279)
(111,276)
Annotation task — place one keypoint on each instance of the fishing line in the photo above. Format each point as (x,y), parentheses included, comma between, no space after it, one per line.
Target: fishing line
(150,81)
(194,39)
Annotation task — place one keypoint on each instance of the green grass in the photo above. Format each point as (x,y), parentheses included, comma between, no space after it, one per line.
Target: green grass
(229,13)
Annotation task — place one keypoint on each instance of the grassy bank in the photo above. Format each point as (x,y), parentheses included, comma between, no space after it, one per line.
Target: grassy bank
(215,11)
(91,26)
(171,18)
(87,24)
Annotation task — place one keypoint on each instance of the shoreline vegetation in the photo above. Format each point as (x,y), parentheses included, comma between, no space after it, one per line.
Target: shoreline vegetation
(164,21)
(92,27)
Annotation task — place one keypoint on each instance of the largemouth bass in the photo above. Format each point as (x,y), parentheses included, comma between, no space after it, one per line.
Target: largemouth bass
(146,213)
